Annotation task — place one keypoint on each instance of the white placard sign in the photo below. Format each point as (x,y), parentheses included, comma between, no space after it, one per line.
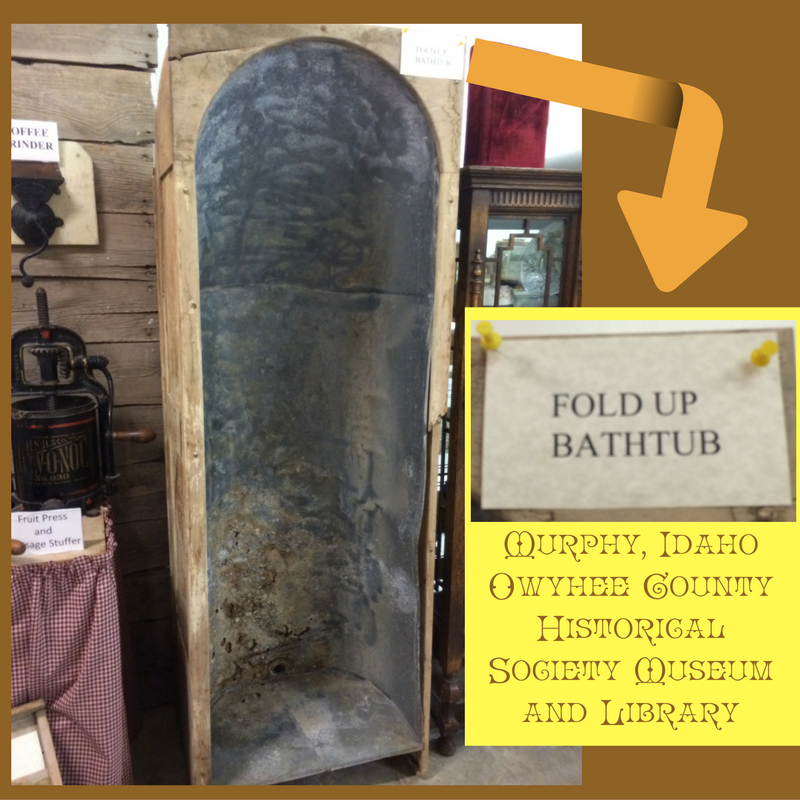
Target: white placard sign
(654,421)
(26,753)
(432,55)
(45,532)
(33,140)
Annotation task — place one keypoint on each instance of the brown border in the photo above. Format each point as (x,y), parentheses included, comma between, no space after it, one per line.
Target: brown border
(699,45)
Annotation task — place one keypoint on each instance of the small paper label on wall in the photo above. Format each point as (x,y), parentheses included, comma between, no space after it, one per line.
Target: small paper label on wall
(45,532)
(33,140)
(432,55)
(658,421)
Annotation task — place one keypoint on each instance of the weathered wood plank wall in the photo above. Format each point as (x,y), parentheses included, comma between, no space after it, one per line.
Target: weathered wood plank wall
(94,81)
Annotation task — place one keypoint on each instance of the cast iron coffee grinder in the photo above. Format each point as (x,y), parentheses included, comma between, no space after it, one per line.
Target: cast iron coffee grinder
(61,419)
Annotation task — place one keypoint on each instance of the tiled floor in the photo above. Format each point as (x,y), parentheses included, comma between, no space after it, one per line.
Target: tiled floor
(159,759)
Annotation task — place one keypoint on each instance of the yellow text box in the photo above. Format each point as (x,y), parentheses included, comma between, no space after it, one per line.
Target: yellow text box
(632,634)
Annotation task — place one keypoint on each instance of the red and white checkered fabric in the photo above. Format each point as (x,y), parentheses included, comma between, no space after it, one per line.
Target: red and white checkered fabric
(66,650)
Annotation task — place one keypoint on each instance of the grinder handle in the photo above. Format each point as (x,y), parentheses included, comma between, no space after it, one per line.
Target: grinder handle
(17,547)
(141,436)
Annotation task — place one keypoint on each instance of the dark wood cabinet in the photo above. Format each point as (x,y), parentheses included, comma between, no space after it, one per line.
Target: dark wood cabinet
(520,237)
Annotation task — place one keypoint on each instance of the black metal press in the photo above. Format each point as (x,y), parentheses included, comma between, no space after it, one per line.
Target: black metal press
(61,419)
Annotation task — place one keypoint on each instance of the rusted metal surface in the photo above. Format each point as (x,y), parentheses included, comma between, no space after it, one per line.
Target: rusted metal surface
(328,719)
(317,190)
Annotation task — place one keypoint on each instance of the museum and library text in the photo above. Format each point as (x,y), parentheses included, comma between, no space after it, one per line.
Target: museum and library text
(610,712)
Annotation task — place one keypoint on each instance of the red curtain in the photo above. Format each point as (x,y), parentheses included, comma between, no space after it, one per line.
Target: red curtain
(68,648)
(505,129)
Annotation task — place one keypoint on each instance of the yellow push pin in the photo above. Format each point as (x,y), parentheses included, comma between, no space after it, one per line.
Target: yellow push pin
(489,339)
(762,355)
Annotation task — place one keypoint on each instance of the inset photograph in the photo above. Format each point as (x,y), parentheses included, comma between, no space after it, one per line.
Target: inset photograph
(633,420)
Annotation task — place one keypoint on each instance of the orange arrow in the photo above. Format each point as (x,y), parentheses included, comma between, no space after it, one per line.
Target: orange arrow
(652,220)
